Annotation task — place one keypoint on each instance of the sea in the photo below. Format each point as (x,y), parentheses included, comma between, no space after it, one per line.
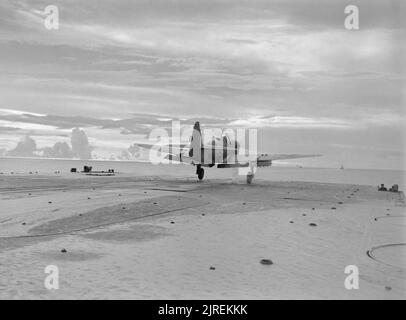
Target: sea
(374,177)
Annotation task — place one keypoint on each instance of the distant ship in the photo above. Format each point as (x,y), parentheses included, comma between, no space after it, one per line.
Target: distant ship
(342,167)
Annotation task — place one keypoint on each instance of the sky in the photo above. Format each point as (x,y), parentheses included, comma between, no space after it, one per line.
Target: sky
(114,70)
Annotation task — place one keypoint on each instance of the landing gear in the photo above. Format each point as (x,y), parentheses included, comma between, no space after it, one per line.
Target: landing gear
(250,176)
(200,172)
(251,172)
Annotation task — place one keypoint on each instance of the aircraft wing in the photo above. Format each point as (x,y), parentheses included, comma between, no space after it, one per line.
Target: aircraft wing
(265,160)
(169,145)
(282,156)
(179,158)
(262,160)
(173,152)
(179,153)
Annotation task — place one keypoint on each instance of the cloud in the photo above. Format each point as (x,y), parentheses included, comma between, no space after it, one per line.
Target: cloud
(238,60)
(134,153)
(25,148)
(80,144)
(293,122)
(59,150)
(6,129)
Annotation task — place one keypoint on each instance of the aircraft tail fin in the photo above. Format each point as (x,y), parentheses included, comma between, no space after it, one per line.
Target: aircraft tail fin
(196,143)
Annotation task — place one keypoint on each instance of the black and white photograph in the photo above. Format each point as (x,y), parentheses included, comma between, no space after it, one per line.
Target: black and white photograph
(202,150)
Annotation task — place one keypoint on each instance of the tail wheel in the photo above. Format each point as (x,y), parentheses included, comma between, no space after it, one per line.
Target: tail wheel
(250,177)
(200,173)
